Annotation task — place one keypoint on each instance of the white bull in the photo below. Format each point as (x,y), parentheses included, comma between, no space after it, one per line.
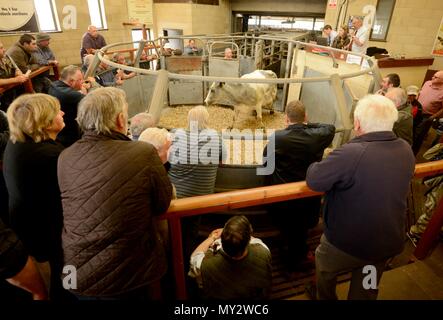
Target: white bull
(255,96)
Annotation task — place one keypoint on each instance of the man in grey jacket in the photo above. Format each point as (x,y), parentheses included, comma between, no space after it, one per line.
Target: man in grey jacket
(366,182)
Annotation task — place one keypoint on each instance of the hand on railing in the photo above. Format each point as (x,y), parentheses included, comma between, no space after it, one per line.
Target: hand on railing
(21,78)
(53,62)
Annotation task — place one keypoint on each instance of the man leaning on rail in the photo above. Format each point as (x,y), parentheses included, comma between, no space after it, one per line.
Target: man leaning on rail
(366,182)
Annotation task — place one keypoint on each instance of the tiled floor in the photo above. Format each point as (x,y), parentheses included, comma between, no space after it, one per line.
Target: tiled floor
(421,280)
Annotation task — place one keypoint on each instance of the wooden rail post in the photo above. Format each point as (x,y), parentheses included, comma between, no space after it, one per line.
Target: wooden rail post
(177,258)
(430,236)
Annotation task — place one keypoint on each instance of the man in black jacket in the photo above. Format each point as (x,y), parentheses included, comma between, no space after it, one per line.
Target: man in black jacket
(296,147)
(366,182)
(68,90)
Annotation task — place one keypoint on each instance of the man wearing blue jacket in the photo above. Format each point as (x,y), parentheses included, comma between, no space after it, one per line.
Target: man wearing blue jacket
(366,183)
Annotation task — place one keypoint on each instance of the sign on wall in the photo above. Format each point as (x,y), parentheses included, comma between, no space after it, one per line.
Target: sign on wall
(437,50)
(140,11)
(332,4)
(17,17)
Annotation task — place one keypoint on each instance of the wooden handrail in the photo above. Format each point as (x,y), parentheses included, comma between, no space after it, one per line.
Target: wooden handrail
(263,195)
(28,83)
(131,51)
(238,199)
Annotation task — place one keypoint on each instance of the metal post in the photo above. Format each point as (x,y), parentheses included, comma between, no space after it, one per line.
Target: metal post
(259,54)
(272,51)
(376,74)
(341,105)
(93,66)
(141,48)
(158,99)
(431,233)
(287,73)
(177,259)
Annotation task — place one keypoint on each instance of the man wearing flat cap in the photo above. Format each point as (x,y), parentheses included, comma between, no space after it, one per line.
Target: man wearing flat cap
(44,54)
(44,57)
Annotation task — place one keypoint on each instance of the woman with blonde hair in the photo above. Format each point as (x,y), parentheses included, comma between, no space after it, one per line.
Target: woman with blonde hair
(30,170)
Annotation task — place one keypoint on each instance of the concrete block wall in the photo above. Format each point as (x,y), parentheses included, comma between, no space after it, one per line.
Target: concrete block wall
(193,18)
(66,44)
(312,6)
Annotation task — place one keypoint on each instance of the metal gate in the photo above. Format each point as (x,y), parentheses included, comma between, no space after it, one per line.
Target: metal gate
(218,65)
(185,92)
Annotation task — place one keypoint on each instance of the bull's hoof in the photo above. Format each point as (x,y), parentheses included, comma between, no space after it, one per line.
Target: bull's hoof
(271,112)
(254,113)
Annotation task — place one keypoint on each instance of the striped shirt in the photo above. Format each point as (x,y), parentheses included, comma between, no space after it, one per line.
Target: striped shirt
(194,158)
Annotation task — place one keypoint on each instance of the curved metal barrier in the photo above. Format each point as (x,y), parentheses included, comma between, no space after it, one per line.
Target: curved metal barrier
(258,196)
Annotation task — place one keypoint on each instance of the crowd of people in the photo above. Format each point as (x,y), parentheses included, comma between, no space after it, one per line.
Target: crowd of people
(83,185)
(353,38)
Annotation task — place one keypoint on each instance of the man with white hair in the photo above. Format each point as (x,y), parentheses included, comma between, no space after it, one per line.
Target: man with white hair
(360,38)
(228,54)
(112,188)
(366,182)
(160,139)
(140,122)
(403,126)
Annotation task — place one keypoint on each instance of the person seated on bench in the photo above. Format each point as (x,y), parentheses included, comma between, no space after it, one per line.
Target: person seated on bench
(123,74)
(10,74)
(105,76)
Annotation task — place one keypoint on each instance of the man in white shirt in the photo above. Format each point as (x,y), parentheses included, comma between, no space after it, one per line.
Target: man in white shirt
(360,38)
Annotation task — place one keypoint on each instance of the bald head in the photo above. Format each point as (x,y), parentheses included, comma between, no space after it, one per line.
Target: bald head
(92,30)
(437,79)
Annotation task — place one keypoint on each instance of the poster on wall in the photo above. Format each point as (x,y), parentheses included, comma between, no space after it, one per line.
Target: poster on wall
(17,17)
(437,50)
(140,11)
(332,4)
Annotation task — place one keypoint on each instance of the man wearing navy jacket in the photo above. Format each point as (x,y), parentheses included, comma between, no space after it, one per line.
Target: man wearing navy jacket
(366,183)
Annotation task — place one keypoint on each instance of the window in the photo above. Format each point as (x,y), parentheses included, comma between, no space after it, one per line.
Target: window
(319,24)
(137,35)
(383,15)
(274,22)
(47,15)
(97,14)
